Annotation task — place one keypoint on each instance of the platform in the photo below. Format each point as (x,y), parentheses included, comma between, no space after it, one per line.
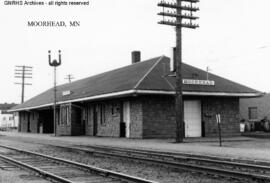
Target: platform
(234,147)
(265,135)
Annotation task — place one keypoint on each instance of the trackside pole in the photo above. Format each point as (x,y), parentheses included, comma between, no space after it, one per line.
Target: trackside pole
(219,129)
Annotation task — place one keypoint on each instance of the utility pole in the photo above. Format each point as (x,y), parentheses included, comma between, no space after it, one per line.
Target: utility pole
(54,64)
(23,72)
(179,13)
(69,77)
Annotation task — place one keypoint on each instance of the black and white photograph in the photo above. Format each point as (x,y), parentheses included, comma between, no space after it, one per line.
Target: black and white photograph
(134,91)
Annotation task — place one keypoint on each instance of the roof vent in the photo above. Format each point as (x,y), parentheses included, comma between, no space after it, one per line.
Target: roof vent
(135,57)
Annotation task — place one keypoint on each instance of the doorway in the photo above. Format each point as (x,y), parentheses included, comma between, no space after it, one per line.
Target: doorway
(95,118)
(192,118)
(126,120)
(28,123)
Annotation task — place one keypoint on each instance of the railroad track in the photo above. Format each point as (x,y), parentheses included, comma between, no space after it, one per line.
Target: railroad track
(61,170)
(199,163)
(255,171)
(9,171)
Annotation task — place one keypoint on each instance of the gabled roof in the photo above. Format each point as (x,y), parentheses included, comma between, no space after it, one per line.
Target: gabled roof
(222,85)
(146,77)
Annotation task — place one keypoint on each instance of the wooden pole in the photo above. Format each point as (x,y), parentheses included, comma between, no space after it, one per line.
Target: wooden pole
(178,92)
(23,79)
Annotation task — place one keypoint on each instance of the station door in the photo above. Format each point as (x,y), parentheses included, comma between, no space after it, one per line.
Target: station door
(192,118)
(126,118)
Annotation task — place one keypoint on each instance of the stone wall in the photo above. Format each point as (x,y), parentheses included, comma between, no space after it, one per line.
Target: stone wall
(150,117)
(34,122)
(110,127)
(63,127)
(136,118)
(72,125)
(23,126)
(24,117)
(228,108)
(158,117)
(89,117)
(108,123)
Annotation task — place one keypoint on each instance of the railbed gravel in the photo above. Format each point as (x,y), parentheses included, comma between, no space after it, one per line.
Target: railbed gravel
(130,167)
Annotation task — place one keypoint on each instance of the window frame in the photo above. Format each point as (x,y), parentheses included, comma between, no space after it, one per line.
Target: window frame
(251,113)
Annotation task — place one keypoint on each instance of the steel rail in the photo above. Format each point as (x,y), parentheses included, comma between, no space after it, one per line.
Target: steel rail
(100,171)
(189,157)
(43,173)
(176,156)
(184,166)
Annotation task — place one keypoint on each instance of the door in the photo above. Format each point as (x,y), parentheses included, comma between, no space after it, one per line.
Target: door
(126,118)
(192,118)
(95,115)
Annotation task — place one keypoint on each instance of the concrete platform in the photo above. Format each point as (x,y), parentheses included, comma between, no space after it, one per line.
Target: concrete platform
(265,135)
(233,147)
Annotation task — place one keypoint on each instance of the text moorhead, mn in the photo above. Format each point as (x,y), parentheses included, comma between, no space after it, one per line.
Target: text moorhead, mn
(53,23)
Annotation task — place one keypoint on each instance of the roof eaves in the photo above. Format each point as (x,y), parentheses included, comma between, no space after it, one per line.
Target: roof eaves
(221,94)
(102,96)
(130,92)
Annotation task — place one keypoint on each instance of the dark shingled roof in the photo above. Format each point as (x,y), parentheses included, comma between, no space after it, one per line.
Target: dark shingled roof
(150,75)
(221,84)
(7,106)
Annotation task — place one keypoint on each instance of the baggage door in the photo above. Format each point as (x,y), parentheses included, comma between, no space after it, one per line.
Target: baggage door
(192,118)
(126,118)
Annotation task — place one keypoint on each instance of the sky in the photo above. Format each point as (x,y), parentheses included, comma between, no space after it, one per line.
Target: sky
(233,40)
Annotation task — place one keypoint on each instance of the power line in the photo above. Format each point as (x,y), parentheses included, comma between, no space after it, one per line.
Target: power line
(69,77)
(23,72)
(179,13)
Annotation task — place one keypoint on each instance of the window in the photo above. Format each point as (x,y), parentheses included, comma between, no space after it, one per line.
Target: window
(115,108)
(4,118)
(11,118)
(252,113)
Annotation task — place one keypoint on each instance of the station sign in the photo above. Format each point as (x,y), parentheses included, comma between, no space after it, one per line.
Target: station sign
(67,92)
(198,82)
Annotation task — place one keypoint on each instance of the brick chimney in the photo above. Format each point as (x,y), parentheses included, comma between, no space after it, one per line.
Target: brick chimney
(135,56)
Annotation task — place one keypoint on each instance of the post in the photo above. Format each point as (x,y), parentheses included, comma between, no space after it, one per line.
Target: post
(54,106)
(219,129)
(178,89)
(23,77)
(69,78)
(177,13)
(54,64)
(23,72)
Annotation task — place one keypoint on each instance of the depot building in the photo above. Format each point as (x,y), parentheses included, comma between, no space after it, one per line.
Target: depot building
(137,101)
